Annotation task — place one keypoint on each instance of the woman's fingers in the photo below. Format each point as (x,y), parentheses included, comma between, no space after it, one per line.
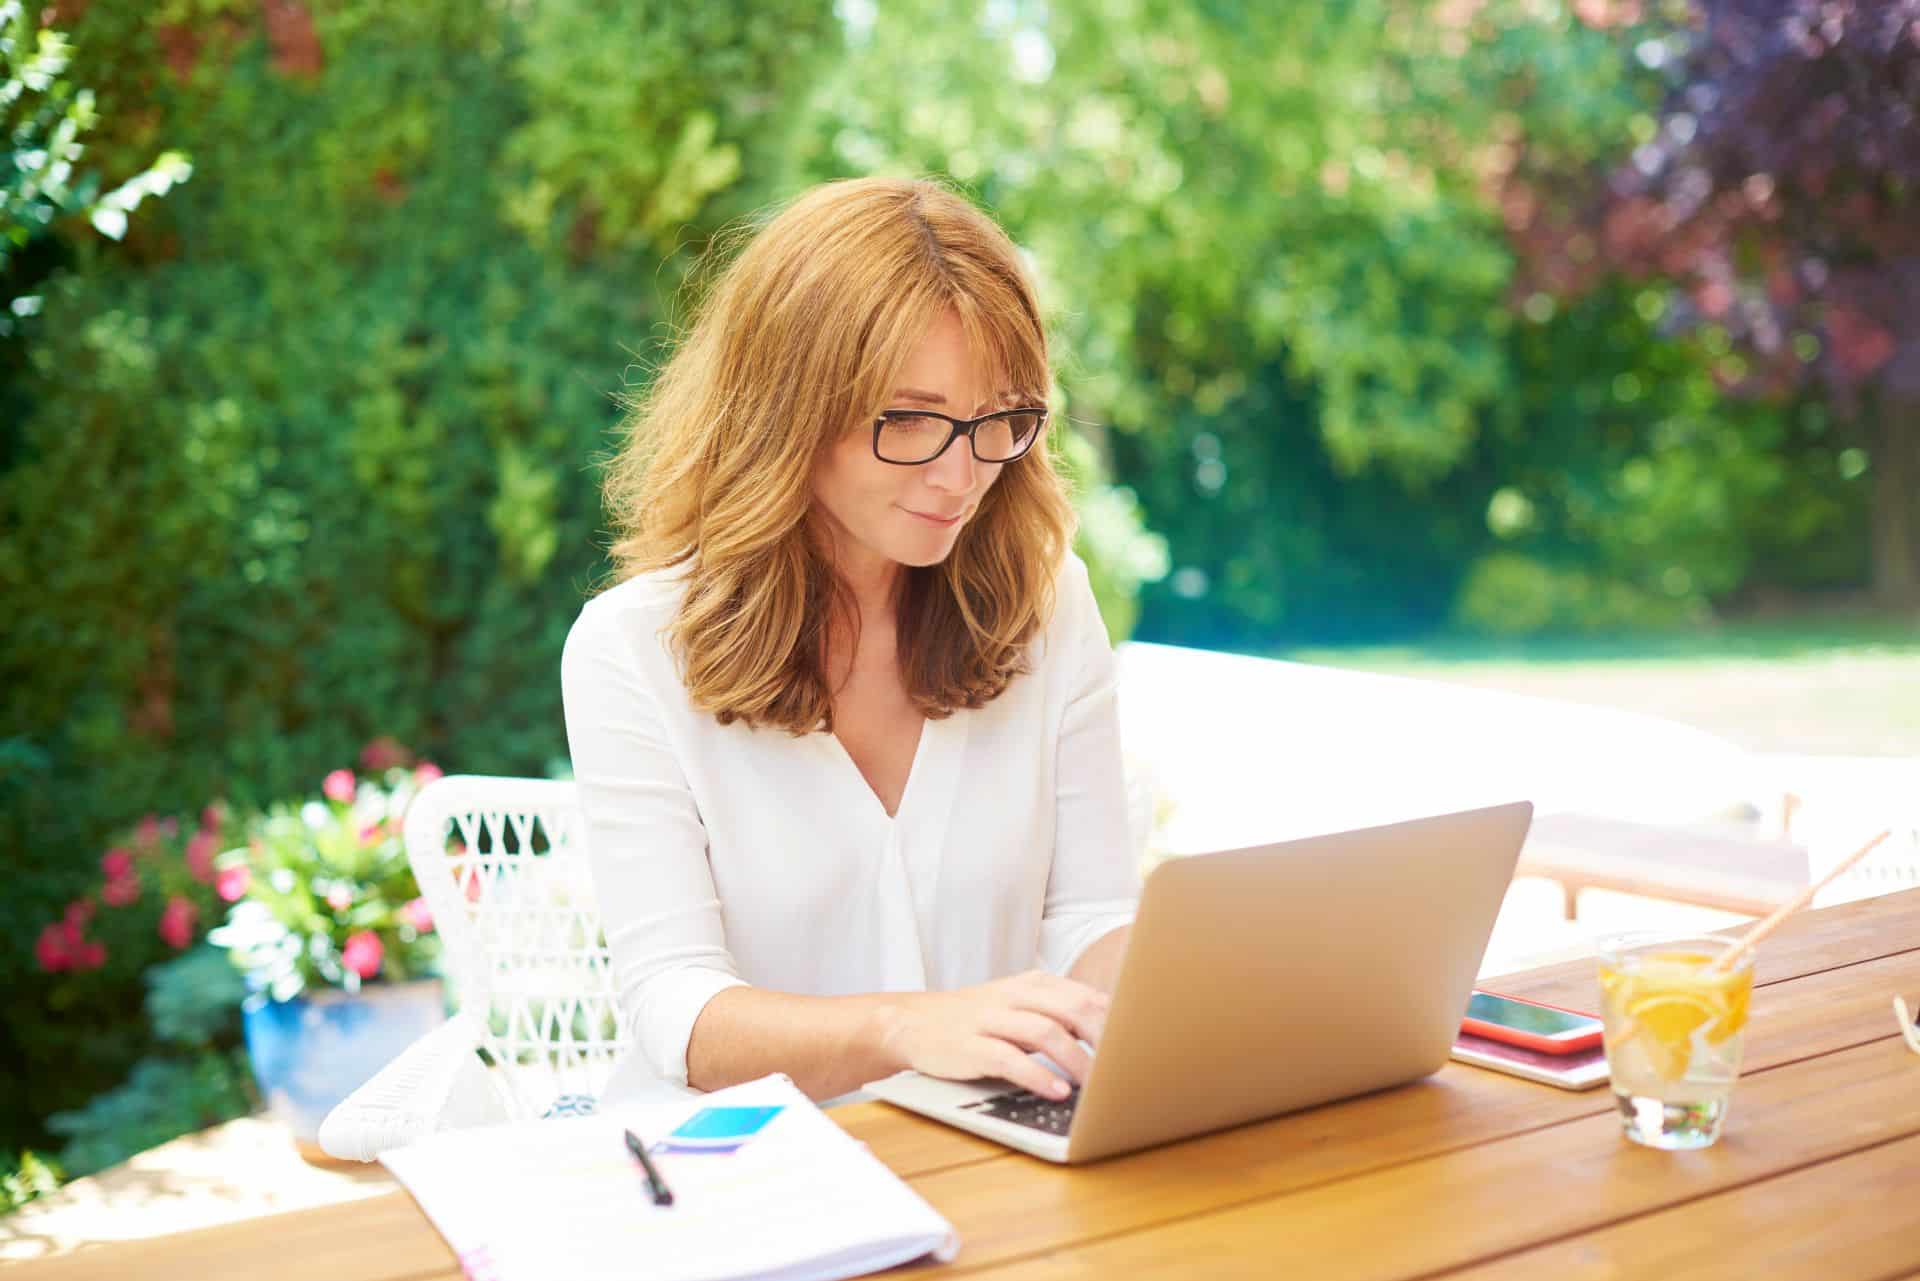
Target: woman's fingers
(1031,1031)
(988,1031)
(1010,1064)
(1081,1009)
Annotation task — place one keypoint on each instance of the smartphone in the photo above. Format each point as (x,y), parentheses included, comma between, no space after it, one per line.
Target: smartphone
(1530,1024)
(1579,1071)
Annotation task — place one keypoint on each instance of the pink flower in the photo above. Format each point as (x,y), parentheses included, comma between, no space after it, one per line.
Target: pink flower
(78,915)
(382,754)
(415,913)
(213,816)
(230,883)
(50,951)
(372,833)
(363,953)
(117,864)
(121,890)
(426,772)
(91,956)
(339,898)
(177,920)
(338,786)
(153,829)
(200,856)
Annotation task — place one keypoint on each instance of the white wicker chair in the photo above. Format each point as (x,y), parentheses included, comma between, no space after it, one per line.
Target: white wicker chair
(502,864)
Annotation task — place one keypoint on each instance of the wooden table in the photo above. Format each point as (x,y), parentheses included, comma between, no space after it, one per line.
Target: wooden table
(1468,1173)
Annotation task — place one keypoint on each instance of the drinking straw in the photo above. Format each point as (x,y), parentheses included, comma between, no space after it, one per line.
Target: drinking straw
(1753,936)
(1907,1028)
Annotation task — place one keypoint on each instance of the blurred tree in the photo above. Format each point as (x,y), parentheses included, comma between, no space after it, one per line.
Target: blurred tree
(1632,495)
(44,116)
(1210,187)
(1234,217)
(1283,270)
(649,125)
(1779,189)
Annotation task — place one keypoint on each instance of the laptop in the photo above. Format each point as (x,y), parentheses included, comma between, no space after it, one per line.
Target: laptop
(1264,980)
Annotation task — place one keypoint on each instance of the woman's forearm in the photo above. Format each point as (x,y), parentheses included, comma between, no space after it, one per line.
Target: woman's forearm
(828,1045)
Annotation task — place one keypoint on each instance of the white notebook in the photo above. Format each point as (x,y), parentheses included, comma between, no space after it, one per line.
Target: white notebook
(797,1199)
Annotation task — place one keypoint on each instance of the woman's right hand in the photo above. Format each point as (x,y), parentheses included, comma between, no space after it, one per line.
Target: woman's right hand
(988,1029)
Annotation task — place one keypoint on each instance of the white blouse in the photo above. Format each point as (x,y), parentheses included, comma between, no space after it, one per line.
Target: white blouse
(724,855)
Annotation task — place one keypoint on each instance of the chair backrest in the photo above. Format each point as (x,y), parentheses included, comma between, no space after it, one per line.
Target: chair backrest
(502,863)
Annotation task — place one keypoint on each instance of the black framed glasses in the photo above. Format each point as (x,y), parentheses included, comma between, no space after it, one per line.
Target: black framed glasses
(909,437)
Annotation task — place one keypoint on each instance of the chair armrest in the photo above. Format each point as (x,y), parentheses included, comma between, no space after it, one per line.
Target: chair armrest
(436,1083)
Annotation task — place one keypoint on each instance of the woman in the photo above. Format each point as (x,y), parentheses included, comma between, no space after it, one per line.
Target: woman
(844,732)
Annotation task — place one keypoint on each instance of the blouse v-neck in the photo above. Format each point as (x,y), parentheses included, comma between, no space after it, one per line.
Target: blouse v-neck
(909,844)
(865,785)
(932,779)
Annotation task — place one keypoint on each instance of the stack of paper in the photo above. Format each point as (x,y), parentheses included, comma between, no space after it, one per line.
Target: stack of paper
(790,1195)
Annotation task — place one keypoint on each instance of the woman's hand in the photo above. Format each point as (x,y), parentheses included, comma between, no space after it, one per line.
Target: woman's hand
(987,1030)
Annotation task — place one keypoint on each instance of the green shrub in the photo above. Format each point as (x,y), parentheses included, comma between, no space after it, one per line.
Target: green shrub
(1510,594)
(193,1001)
(164,1098)
(310,459)
(1121,554)
(1269,540)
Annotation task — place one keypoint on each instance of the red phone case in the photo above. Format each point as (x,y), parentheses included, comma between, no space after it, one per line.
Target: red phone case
(1533,1040)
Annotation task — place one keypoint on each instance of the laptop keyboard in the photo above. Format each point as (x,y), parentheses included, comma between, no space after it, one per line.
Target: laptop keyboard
(1024,1107)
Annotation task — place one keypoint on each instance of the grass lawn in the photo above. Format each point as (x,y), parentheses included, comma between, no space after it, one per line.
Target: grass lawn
(1828,687)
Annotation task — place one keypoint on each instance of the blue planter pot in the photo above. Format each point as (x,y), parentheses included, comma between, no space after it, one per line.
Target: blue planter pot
(311,1052)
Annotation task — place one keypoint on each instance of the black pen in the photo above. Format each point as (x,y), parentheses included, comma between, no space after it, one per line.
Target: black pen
(662,1194)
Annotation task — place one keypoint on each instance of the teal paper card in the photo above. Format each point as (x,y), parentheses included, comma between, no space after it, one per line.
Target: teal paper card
(718,1129)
